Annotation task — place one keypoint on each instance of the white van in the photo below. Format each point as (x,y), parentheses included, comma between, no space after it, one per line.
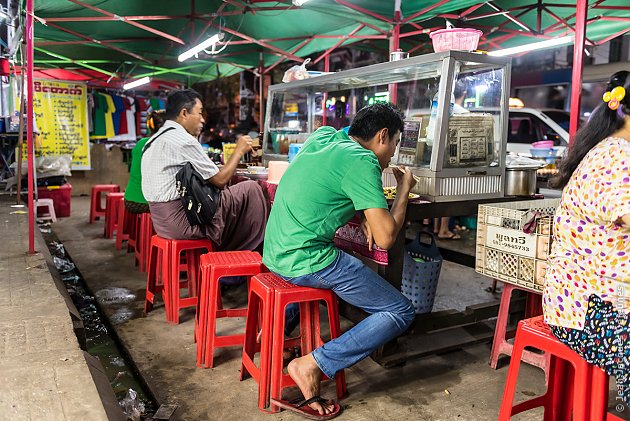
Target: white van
(529,125)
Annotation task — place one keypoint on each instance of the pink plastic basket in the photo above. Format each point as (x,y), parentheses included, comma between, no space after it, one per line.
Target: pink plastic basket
(455,39)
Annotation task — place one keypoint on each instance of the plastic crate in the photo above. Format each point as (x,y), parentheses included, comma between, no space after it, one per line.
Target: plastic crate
(60,196)
(505,252)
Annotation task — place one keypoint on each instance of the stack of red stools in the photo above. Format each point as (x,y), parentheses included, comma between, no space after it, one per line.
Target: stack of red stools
(575,387)
(164,260)
(132,223)
(144,233)
(112,202)
(268,297)
(96,210)
(213,267)
(123,224)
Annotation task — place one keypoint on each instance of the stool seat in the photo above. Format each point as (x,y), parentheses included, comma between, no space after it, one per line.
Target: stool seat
(96,208)
(268,298)
(575,388)
(164,259)
(213,267)
(49,204)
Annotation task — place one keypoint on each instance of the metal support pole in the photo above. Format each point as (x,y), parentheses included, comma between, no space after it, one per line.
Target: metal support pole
(261,94)
(578,65)
(29,124)
(394,44)
(325,97)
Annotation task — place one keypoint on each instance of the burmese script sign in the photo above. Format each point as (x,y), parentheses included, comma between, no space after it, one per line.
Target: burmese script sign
(61,116)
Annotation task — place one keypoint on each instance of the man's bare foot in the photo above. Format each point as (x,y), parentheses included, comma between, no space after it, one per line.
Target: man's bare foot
(307,375)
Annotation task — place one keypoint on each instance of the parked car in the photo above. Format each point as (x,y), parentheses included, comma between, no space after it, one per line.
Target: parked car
(529,125)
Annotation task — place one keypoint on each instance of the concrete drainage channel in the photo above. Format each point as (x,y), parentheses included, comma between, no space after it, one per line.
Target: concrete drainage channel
(100,338)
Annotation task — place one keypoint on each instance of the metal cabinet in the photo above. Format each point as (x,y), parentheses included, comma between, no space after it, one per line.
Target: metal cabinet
(456,108)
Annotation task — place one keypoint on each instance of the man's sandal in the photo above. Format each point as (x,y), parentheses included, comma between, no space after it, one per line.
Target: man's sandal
(302,408)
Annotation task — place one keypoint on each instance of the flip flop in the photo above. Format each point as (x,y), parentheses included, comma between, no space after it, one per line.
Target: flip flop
(453,236)
(302,408)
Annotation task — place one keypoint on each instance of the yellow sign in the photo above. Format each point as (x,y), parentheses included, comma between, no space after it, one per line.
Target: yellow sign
(61,116)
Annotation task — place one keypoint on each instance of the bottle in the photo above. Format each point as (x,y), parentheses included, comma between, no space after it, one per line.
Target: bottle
(433,117)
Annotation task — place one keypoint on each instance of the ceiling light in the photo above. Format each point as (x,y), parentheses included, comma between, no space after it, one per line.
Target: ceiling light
(200,47)
(136,83)
(554,42)
(298,3)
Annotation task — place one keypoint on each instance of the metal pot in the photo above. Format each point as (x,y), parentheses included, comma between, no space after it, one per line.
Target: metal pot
(520,181)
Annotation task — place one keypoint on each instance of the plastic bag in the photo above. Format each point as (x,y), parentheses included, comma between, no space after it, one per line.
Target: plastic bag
(132,406)
(297,72)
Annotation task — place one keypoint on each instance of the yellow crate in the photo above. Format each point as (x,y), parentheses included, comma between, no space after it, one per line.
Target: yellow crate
(505,252)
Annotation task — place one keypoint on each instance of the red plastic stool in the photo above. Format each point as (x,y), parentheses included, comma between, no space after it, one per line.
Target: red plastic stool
(500,345)
(112,202)
(271,383)
(144,232)
(122,224)
(213,267)
(132,223)
(96,210)
(164,259)
(599,396)
(567,390)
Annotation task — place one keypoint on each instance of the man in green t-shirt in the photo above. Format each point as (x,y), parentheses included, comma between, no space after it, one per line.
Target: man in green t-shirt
(335,175)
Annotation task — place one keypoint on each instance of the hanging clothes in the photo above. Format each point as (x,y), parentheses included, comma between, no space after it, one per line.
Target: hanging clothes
(100,111)
(119,110)
(130,111)
(109,122)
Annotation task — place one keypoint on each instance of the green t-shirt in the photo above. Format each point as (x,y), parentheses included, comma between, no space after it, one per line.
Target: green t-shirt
(133,192)
(330,179)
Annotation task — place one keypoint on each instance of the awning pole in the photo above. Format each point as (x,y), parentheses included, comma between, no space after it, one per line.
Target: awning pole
(29,124)
(261,86)
(394,44)
(325,97)
(578,66)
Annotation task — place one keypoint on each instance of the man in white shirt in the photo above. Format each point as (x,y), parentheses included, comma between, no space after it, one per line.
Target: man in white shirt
(239,222)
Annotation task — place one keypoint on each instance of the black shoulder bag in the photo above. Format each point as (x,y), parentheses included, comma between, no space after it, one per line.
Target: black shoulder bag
(199,198)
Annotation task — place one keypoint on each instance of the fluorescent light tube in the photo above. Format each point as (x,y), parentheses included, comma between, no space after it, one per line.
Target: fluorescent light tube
(555,42)
(195,50)
(136,83)
(298,3)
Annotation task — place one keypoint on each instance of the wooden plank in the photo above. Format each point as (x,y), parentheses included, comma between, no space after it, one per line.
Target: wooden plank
(422,345)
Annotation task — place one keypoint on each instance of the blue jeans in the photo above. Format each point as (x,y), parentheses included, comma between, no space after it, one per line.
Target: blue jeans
(391,313)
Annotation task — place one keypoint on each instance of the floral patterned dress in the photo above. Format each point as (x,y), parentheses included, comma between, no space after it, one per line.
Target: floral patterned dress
(587,286)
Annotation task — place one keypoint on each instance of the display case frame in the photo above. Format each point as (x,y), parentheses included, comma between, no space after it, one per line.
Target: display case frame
(438,182)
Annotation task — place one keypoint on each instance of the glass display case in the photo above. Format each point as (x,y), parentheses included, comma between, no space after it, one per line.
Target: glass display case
(456,108)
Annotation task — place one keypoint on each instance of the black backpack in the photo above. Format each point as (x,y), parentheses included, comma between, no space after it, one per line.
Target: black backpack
(199,198)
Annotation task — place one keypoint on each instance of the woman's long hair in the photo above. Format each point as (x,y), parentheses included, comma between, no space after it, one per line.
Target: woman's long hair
(602,123)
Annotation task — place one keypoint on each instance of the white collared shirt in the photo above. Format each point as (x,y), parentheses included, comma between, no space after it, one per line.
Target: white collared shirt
(166,156)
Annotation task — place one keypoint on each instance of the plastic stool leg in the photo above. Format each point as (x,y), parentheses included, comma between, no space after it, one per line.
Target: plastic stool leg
(498,343)
(510,384)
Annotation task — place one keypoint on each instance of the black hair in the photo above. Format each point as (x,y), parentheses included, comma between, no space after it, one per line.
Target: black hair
(602,123)
(158,118)
(180,99)
(369,120)
(460,88)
